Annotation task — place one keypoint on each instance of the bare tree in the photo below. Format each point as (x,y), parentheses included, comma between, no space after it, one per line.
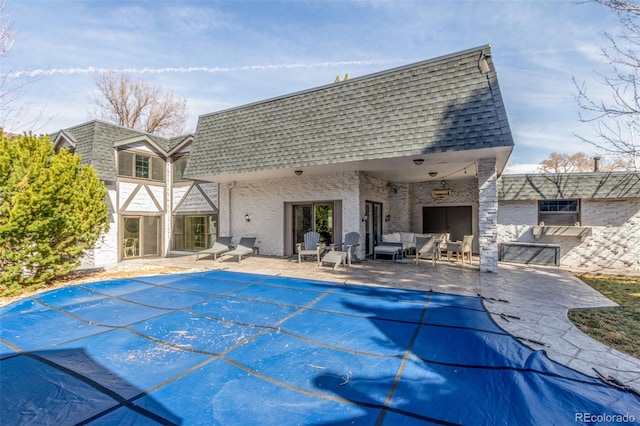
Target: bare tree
(138,105)
(617,119)
(14,106)
(580,162)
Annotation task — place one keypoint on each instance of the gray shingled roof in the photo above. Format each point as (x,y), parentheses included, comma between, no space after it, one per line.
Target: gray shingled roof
(443,104)
(604,185)
(95,139)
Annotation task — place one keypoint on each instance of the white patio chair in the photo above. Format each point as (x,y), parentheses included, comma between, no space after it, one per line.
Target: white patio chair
(130,247)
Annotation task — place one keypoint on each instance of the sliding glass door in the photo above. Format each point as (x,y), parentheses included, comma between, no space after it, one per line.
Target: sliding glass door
(317,217)
(373,225)
(141,236)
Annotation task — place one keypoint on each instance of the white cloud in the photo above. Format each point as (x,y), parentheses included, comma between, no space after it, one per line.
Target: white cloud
(201,69)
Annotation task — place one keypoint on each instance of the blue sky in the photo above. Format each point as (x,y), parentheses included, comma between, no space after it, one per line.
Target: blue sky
(221,54)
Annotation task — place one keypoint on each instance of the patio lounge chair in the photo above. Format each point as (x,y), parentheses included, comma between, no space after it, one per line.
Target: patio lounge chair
(220,246)
(351,241)
(427,248)
(310,247)
(245,247)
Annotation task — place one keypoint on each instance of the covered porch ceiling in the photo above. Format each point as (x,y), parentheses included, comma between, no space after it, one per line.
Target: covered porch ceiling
(451,165)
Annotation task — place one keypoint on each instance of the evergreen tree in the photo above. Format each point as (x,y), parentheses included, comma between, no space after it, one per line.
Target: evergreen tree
(51,210)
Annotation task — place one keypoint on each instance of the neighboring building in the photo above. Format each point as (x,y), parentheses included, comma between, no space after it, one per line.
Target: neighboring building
(592,219)
(417,148)
(153,209)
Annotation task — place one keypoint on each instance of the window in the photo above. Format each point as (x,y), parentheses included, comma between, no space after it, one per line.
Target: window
(140,166)
(194,233)
(559,212)
(179,164)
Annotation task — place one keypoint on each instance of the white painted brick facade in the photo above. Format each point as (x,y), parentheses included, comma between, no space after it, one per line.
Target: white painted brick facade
(106,249)
(264,202)
(615,239)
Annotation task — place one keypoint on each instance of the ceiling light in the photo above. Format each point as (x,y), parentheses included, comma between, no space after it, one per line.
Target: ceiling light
(433,174)
(418,161)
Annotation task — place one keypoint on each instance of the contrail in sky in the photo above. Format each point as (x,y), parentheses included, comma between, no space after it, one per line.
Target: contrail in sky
(92,70)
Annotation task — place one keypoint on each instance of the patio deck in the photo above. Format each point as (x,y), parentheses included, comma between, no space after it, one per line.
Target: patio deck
(536,313)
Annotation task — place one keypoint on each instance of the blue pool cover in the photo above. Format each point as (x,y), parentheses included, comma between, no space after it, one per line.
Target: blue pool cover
(231,348)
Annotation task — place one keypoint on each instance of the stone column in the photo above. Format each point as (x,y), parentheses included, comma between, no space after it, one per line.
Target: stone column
(488,214)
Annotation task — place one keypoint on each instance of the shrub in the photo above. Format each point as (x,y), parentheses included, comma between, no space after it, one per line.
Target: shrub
(51,210)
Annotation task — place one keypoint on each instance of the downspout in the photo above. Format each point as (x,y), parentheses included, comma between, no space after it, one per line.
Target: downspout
(233,185)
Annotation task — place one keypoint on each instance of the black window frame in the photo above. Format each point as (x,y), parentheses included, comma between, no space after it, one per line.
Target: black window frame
(559,212)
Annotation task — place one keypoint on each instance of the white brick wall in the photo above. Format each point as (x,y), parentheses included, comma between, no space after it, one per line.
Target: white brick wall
(264,202)
(615,239)
(398,207)
(106,250)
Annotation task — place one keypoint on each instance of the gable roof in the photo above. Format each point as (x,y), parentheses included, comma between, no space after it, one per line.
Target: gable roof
(596,185)
(451,103)
(95,141)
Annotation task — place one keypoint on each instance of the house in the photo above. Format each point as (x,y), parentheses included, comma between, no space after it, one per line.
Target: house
(589,220)
(417,148)
(152,208)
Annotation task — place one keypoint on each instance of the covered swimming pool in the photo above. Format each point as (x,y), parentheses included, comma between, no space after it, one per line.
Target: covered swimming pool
(233,348)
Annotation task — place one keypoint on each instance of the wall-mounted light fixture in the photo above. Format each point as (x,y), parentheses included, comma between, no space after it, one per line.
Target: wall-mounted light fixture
(298,172)
(418,161)
(247,217)
(365,217)
(433,174)
(387,218)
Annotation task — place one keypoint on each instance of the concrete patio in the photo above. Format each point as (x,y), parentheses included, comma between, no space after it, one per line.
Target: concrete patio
(530,302)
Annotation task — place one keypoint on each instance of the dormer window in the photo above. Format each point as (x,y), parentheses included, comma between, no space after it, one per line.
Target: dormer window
(140,166)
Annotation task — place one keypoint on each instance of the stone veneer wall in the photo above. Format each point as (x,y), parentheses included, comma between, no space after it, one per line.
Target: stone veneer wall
(264,202)
(615,239)
(488,218)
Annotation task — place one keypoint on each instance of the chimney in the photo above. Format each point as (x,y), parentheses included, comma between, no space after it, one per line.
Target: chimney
(596,164)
